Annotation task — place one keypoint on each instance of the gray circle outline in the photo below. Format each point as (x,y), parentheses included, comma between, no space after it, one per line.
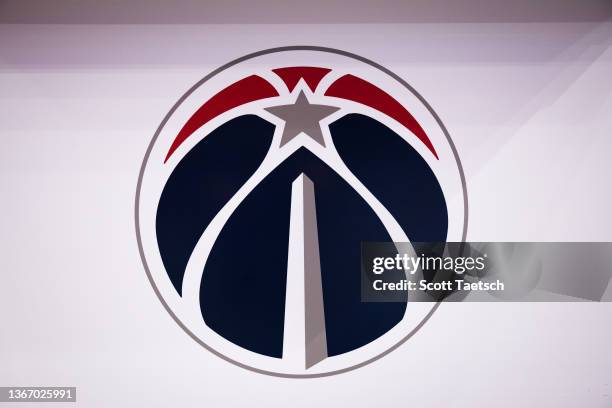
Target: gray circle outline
(185,96)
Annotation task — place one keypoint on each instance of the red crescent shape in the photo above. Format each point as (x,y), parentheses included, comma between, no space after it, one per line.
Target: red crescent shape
(246,90)
(357,90)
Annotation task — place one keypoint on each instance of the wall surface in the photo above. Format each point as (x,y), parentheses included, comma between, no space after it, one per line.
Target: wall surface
(524,90)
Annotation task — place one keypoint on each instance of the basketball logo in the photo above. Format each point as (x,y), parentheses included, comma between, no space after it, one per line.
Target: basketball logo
(258,189)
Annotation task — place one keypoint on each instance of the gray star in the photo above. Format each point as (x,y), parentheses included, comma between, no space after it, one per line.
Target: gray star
(302,116)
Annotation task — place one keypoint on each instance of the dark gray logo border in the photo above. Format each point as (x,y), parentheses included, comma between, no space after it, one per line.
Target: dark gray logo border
(211,75)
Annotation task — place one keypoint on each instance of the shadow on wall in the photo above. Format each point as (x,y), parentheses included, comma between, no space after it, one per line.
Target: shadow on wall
(305,12)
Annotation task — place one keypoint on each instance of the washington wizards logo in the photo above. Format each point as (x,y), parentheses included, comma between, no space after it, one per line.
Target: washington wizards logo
(260,186)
